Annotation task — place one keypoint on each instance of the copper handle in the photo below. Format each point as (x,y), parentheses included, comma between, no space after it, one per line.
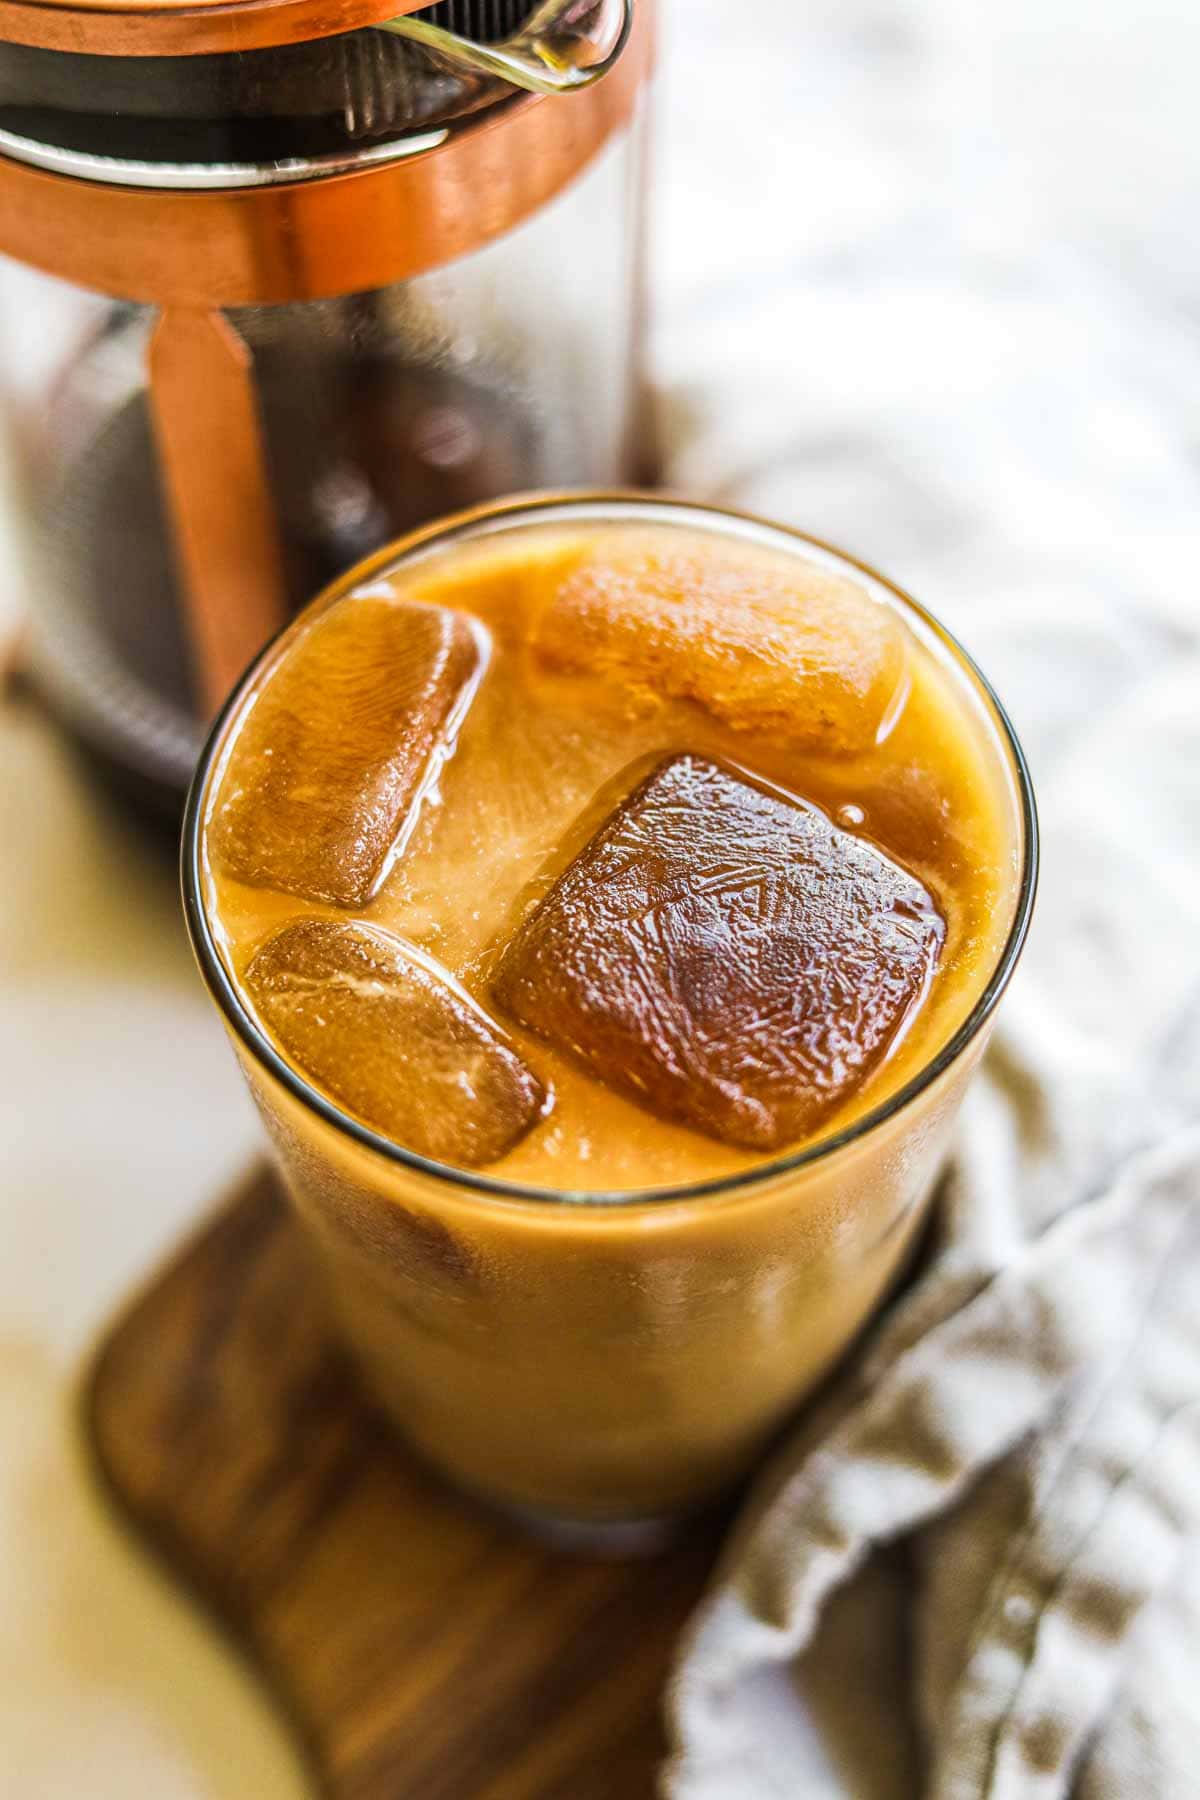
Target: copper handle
(561,47)
(214,466)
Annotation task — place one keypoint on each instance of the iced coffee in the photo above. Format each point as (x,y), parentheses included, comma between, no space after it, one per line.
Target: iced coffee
(608,900)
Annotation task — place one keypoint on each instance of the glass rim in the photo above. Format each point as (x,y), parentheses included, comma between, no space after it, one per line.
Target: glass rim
(238,1016)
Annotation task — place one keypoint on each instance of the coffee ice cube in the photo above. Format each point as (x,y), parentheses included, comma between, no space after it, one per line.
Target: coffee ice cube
(393,1040)
(762,644)
(725,955)
(337,745)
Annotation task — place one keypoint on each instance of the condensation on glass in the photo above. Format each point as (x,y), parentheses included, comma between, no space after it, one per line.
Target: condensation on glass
(288,302)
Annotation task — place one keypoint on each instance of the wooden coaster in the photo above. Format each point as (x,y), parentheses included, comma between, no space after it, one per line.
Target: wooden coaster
(422,1648)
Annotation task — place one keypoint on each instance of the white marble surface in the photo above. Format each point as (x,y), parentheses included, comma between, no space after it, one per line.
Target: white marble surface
(929,283)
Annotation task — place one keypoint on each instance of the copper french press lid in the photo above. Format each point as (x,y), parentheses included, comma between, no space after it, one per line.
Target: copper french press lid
(185,27)
(446,141)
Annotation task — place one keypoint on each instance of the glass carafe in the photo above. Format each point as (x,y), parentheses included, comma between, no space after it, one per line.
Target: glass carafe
(281,303)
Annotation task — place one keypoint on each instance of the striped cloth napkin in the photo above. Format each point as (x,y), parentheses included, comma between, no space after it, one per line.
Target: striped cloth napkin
(975,1570)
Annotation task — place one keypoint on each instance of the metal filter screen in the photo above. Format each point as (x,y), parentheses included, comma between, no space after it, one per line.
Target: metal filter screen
(294,101)
(487,21)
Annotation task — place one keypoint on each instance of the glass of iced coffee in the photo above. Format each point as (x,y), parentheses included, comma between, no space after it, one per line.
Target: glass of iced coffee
(608,899)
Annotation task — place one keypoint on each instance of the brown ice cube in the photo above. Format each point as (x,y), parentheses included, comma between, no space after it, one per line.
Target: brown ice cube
(724,955)
(762,644)
(393,1041)
(328,764)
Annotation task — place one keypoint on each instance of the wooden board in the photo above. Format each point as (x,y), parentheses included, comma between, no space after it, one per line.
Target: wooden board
(423,1649)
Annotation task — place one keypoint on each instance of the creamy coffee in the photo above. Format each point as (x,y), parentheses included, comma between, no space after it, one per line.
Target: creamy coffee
(451,768)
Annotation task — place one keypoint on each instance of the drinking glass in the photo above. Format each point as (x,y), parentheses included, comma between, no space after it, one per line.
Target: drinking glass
(602,1363)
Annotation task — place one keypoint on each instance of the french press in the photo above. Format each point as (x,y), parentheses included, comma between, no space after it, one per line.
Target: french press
(286,278)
